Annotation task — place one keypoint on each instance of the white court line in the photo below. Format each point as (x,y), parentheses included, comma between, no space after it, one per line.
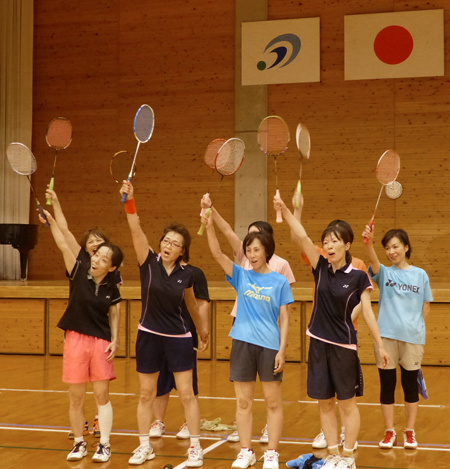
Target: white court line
(206,450)
(429,406)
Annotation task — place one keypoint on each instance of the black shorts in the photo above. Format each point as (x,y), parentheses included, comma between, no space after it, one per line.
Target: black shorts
(166,380)
(153,349)
(247,360)
(332,371)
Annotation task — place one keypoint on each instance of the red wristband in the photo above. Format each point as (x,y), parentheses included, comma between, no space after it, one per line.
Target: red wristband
(130,206)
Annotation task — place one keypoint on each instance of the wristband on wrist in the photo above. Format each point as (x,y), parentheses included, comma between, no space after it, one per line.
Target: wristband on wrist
(130,206)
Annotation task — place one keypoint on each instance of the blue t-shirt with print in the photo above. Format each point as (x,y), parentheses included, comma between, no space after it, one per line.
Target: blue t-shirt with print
(259,299)
(402,295)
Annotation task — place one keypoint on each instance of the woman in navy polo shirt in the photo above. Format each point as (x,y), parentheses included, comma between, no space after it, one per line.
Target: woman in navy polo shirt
(163,334)
(333,366)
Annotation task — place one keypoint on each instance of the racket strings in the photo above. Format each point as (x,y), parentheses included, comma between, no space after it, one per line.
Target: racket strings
(143,123)
(273,136)
(212,150)
(59,133)
(388,167)
(21,159)
(230,157)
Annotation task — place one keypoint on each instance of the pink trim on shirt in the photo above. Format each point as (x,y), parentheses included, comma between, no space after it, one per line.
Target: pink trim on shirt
(349,346)
(179,336)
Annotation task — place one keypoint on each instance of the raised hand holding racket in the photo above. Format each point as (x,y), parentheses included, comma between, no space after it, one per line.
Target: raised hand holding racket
(23,162)
(273,140)
(387,170)
(303,141)
(144,123)
(59,137)
(228,160)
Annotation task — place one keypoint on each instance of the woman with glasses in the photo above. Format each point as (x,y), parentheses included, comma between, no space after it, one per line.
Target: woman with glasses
(163,335)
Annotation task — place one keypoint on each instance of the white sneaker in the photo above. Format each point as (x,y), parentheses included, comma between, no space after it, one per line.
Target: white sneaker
(320,441)
(103,453)
(141,454)
(245,458)
(389,440)
(183,434)
(157,429)
(270,459)
(346,463)
(233,437)
(342,436)
(332,461)
(195,457)
(79,451)
(409,439)
(265,436)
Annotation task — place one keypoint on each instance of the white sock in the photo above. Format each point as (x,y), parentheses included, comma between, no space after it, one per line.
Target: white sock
(144,440)
(105,418)
(78,440)
(195,440)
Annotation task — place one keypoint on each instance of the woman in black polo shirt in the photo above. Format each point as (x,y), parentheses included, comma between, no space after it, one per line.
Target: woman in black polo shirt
(333,359)
(163,334)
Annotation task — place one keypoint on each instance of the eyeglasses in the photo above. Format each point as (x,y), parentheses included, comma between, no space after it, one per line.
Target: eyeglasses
(167,241)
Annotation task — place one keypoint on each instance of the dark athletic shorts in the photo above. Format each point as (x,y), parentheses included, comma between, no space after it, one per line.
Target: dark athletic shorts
(166,380)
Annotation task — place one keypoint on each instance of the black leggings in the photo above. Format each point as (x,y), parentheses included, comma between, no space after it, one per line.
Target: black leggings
(388,380)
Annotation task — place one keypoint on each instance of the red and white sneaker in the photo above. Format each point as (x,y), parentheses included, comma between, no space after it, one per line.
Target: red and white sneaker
(409,439)
(389,440)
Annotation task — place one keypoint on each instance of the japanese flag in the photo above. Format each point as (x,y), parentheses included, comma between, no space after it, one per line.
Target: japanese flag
(394,45)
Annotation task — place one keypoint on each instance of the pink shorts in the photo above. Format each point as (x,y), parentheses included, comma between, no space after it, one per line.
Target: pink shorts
(84,359)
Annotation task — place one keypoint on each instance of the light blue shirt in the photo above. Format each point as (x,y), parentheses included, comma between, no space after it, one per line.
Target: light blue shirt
(402,295)
(259,299)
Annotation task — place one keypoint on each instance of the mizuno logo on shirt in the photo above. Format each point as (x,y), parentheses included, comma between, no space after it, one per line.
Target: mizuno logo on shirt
(255,294)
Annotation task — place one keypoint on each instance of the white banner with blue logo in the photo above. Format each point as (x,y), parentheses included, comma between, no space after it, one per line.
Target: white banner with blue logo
(284,51)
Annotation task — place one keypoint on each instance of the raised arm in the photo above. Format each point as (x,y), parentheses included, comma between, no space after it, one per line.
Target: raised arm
(225,262)
(298,230)
(200,315)
(62,222)
(140,241)
(370,250)
(297,204)
(69,257)
(225,228)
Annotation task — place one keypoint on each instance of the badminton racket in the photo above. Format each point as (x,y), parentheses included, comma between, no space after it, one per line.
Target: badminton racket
(228,160)
(387,170)
(303,140)
(59,137)
(144,123)
(273,140)
(393,190)
(120,165)
(23,162)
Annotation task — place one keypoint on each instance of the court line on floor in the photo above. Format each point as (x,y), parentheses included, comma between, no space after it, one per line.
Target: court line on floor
(205,451)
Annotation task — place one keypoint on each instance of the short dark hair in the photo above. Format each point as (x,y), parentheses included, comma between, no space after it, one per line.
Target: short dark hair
(403,237)
(183,231)
(342,233)
(264,238)
(345,225)
(97,232)
(116,253)
(262,226)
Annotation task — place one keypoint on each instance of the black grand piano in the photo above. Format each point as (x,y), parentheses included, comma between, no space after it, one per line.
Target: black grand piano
(23,238)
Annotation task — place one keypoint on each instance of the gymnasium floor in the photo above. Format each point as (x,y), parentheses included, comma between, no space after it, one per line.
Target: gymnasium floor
(34,419)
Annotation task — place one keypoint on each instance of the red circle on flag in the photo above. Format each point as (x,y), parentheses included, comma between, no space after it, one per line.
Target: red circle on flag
(393,44)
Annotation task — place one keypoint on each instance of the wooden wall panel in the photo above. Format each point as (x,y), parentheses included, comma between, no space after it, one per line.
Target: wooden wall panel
(294,350)
(223,326)
(23,326)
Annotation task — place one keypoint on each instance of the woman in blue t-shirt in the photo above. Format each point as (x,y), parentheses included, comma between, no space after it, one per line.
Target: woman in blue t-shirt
(259,346)
(404,304)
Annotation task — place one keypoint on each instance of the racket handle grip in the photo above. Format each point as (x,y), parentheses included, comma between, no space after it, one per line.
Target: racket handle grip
(125,195)
(366,240)
(50,187)
(298,191)
(202,226)
(41,212)
(279,216)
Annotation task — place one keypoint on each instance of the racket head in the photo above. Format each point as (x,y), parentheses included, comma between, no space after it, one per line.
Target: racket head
(59,133)
(388,167)
(144,122)
(303,141)
(273,136)
(120,165)
(212,150)
(393,190)
(21,159)
(230,157)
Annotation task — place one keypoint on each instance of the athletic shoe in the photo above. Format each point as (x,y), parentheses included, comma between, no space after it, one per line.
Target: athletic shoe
(103,453)
(141,454)
(270,459)
(299,462)
(345,463)
(79,451)
(157,429)
(265,436)
(389,440)
(320,441)
(409,439)
(195,456)
(96,428)
(245,458)
(233,437)
(183,434)
(332,461)
(71,436)
(342,436)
